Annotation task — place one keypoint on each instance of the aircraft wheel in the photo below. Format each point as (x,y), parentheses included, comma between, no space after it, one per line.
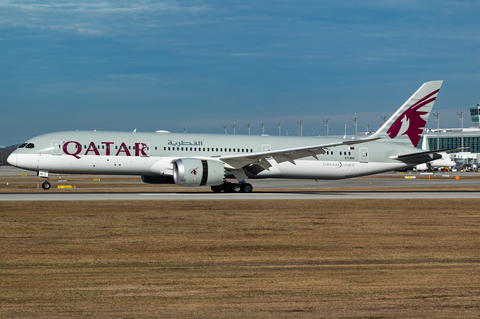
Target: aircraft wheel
(217,189)
(227,187)
(247,188)
(46,185)
(236,188)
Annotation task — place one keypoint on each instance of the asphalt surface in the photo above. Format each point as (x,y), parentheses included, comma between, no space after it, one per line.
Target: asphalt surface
(276,189)
(223,196)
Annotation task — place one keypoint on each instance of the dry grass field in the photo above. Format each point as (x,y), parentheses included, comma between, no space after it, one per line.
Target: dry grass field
(240,259)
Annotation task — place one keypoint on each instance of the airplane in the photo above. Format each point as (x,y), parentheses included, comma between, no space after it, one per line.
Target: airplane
(444,161)
(210,159)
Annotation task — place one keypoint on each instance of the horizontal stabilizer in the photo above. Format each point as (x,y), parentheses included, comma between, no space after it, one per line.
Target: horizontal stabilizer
(412,155)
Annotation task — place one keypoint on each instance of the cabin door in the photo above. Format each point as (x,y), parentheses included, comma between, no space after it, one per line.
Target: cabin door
(363,155)
(56,147)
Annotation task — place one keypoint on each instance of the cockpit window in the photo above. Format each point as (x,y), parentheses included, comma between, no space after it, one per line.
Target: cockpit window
(23,145)
(30,145)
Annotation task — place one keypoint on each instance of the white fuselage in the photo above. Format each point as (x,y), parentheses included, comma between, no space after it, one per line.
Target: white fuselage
(120,153)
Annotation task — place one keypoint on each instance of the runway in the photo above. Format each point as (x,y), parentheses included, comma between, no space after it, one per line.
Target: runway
(378,187)
(223,196)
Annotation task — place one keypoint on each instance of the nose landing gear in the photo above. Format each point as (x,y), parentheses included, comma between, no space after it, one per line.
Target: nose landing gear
(46,185)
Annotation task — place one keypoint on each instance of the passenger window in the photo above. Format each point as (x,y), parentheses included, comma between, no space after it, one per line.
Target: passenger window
(348,153)
(164,148)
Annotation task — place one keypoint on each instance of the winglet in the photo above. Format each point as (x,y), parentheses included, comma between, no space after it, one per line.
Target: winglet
(410,119)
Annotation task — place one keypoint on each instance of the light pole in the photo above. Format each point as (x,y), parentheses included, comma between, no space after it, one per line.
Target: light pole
(233,128)
(355,121)
(344,136)
(279,124)
(461,116)
(248,125)
(437,116)
(225,127)
(263,127)
(184,129)
(368,128)
(326,123)
(301,127)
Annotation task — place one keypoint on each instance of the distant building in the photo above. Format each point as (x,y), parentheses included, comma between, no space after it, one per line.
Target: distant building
(452,137)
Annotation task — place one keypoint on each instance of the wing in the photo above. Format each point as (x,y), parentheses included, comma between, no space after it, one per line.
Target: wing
(283,155)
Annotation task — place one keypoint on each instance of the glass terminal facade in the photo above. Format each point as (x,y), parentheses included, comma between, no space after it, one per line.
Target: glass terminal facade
(452,140)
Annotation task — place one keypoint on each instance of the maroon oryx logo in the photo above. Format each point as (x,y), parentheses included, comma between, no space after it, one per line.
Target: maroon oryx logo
(194,171)
(412,121)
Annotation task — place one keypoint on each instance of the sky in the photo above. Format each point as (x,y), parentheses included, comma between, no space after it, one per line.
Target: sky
(151,65)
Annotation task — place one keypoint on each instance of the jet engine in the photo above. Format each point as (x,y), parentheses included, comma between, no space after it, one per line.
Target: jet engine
(198,172)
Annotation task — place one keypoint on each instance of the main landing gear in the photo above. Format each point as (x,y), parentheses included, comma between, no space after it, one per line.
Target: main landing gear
(233,188)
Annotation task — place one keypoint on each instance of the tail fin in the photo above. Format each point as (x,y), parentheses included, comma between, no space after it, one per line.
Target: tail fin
(411,117)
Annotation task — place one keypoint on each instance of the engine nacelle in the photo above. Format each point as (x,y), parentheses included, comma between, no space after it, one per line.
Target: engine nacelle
(198,172)
(152,179)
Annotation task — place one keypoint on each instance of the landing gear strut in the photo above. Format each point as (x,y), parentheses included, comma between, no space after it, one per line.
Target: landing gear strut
(233,188)
(46,185)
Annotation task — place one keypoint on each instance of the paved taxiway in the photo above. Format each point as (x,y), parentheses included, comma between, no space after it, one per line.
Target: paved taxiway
(222,196)
(277,189)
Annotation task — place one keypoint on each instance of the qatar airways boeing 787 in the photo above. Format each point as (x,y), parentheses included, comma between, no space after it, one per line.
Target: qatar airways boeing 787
(207,159)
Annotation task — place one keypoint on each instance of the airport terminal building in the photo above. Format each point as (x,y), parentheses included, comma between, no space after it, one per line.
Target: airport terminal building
(434,139)
(452,138)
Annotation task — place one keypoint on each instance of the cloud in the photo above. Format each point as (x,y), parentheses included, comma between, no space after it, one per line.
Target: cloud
(90,18)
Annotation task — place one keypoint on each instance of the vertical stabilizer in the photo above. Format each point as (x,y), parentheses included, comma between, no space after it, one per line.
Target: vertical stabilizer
(409,120)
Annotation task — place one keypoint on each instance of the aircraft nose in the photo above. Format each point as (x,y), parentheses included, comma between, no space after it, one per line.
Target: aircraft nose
(12,159)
